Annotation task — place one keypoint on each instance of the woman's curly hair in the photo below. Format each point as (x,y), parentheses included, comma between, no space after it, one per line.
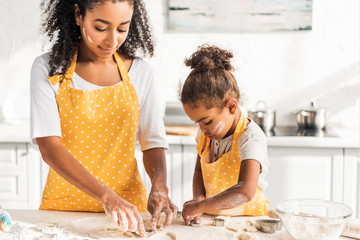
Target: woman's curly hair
(58,24)
(210,82)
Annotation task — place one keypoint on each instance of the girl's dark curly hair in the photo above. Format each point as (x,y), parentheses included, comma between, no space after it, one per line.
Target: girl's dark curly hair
(58,24)
(210,82)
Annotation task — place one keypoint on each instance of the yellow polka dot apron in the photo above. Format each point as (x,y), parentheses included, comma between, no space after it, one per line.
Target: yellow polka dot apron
(224,173)
(98,128)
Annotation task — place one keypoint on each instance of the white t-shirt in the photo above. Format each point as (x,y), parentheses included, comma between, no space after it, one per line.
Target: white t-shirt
(45,120)
(251,144)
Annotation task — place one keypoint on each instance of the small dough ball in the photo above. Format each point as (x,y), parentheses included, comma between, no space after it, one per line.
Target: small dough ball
(245,236)
(272,214)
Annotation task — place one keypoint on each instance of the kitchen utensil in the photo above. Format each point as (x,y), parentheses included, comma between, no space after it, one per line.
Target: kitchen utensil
(263,116)
(312,117)
(268,225)
(313,219)
(219,221)
(5,221)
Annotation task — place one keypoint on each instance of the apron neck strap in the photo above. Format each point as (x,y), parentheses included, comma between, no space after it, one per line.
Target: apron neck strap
(121,67)
(69,73)
(240,128)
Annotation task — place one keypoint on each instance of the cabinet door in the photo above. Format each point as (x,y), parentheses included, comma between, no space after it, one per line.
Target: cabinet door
(352,180)
(303,173)
(35,176)
(173,169)
(13,175)
(189,162)
(174,174)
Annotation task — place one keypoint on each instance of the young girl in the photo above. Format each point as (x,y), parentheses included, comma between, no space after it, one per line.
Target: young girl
(232,150)
(91,100)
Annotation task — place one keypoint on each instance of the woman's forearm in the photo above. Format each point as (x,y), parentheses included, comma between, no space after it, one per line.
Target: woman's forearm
(155,166)
(59,159)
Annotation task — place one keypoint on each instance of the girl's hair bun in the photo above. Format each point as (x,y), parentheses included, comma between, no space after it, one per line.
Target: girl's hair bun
(208,58)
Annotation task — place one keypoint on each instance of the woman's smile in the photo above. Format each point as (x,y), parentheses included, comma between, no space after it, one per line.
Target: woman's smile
(107,50)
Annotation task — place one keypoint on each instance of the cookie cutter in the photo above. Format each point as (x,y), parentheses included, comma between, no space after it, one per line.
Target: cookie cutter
(268,225)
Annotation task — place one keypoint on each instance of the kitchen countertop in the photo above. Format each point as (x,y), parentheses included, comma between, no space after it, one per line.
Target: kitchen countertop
(342,138)
(41,225)
(339,138)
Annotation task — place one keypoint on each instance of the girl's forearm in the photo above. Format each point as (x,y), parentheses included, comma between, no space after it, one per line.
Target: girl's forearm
(230,198)
(198,182)
(198,185)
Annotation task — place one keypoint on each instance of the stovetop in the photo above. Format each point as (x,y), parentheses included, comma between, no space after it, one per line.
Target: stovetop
(295,131)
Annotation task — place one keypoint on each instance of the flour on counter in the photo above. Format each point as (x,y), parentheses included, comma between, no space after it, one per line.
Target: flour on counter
(87,226)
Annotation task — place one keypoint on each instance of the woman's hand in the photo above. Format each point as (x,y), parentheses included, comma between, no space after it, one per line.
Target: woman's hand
(192,210)
(124,214)
(159,202)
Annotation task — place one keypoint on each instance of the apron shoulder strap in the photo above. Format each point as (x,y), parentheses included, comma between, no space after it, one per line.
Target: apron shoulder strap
(121,67)
(68,75)
(202,143)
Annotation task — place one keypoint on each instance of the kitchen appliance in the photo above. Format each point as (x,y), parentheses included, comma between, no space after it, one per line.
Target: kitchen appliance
(313,218)
(294,131)
(263,116)
(312,117)
(175,115)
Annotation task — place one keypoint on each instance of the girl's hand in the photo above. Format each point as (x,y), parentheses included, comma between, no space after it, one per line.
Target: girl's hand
(192,210)
(124,214)
(197,199)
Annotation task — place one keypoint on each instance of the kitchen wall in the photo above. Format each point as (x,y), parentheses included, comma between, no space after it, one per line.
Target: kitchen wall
(285,69)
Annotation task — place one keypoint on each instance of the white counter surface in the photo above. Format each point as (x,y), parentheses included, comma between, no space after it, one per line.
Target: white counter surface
(35,224)
(345,138)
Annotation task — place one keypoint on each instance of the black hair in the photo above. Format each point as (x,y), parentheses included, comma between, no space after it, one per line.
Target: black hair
(58,24)
(211,82)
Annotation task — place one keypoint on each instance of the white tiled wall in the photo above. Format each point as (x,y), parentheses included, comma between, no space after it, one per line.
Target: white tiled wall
(286,69)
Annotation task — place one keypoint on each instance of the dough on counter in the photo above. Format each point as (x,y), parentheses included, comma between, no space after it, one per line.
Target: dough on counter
(245,236)
(272,214)
(241,226)
(47,227)
(231,228)
(172,235)
(106,233)
(352,229)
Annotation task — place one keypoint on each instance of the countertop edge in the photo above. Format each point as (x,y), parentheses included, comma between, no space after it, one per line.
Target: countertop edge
(346,138)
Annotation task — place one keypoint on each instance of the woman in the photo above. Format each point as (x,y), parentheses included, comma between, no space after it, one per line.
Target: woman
(87,112)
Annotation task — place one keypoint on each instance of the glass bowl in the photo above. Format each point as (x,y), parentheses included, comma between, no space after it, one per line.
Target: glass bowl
(313,219)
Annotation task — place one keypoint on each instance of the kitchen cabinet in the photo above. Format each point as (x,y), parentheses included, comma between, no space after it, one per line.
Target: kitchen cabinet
(180,165)
(19,181)
(310,170)
(304,173)
(351,178)
(295,172)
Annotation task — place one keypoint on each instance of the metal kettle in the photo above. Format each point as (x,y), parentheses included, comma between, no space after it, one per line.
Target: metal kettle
(313,117)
